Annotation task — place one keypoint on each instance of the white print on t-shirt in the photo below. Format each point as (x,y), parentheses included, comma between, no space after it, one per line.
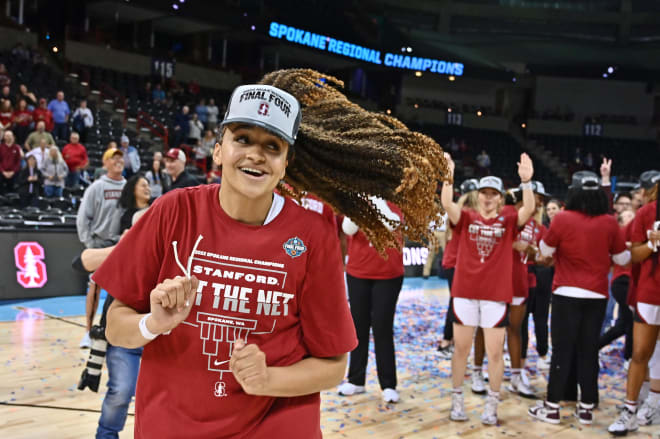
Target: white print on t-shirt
(527,235)
(486,237)
(230,284)
(313,205)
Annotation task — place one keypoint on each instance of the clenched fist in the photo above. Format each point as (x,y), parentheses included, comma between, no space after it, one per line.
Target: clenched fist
(248,364)
(171,302)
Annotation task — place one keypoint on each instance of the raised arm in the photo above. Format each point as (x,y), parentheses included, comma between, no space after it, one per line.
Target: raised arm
(526,172)
(447,194)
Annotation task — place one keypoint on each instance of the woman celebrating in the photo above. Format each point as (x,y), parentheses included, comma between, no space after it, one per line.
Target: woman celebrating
(645,239)
(524,252)
(482,286)
(242,348)
(584,240)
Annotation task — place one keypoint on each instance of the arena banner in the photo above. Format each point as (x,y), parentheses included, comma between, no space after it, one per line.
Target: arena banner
(38,264)
(350,50)
(414,258)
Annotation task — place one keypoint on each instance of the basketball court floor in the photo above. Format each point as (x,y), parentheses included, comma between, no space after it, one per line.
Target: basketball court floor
(41,363)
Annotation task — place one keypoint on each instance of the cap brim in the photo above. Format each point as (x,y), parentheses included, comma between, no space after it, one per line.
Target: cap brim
(488,186)
(270,128)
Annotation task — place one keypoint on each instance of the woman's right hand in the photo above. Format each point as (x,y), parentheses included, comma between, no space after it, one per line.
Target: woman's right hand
(171,302)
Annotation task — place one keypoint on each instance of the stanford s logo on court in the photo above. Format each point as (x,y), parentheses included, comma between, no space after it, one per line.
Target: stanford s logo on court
(29,259)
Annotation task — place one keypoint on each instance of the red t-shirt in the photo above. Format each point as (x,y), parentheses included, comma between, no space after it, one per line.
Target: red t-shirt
(531,233)
(584,247)
(451,251)
(22,117)
(6,117)
(648,284)
(619,270)
(45,115)
(365,262)
(74,154)
(312,203)
(484,264)
(279,286)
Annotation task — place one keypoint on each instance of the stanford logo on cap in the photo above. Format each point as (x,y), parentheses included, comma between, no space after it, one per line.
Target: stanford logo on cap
(263,109)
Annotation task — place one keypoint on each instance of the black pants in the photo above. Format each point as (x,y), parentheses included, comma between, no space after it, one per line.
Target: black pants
(575,325)
(538,305)
(373,303)
(449,318)
(624,324)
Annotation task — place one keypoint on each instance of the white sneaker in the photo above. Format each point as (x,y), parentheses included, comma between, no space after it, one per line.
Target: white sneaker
(543,363)
(626,423)
(524,376)
(390,395)
(457,408)
(518,386)
(489,415)
(348,389)
(647,413)
(86,342)
(478,384)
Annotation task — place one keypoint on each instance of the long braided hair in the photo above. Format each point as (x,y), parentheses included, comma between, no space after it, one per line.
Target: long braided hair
(344,154)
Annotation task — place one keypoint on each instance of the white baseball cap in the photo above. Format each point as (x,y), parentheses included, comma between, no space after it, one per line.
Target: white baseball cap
(265,106)
(492,182)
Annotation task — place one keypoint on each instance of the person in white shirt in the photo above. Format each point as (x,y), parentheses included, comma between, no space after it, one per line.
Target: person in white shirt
(85,114)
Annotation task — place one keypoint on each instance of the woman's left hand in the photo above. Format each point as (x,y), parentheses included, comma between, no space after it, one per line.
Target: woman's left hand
(248,364)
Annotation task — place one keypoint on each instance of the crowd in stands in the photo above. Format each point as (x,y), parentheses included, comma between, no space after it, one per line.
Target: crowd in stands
(454,106)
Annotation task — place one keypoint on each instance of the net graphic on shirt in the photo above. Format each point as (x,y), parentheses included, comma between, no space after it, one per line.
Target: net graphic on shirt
(219,333)
(486,237)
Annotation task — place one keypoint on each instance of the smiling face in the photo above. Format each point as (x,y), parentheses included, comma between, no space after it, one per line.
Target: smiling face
(253,160)
(142,191)
(114,165)
(489,201)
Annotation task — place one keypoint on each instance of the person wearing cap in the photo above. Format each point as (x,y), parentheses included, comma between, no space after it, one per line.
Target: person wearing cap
(645,239)
(131,157)
(583,241)
(469,199)
(540,289)
(43,114)
(524,252)
(175,166)
(483,285)
(75,156)
(98,216)
(236,292)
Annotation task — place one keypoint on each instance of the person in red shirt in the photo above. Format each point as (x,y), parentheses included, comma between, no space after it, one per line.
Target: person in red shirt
(235,292)
(645,238)
(540,291)
(10,162)
(75,156)
(483,284)
(6,115)
(468,199)
(374,284)
(524,252)
(22,119)
(583,240)
(42,113)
